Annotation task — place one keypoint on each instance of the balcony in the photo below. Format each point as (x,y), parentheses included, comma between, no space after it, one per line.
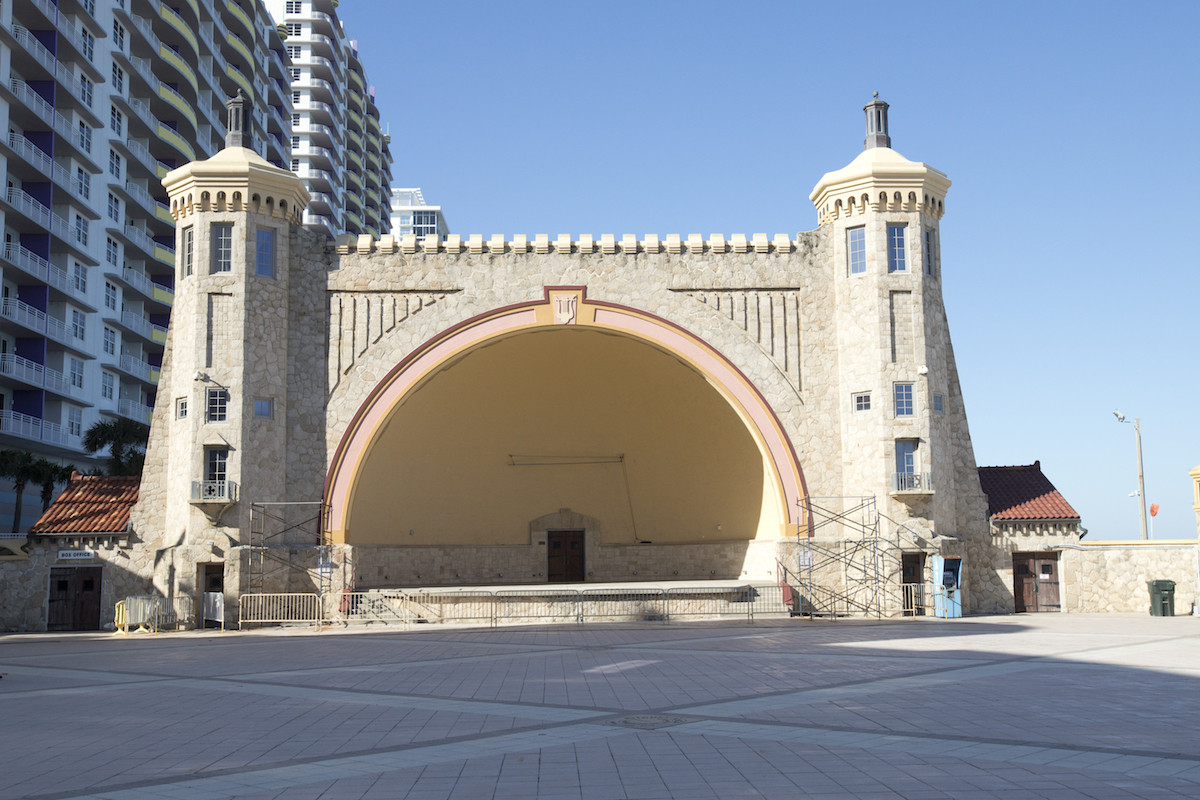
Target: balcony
(134,410)
(912,483)
(216,492)
(44,271)
(38,321)
(34,374)
(15,423)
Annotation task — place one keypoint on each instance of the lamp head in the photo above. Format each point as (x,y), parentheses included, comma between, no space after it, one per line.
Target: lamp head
(1120,417)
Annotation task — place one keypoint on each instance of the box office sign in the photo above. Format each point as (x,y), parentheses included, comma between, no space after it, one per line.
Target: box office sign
(76,555)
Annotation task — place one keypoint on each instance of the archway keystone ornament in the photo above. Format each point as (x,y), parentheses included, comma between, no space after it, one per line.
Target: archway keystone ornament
(783,480)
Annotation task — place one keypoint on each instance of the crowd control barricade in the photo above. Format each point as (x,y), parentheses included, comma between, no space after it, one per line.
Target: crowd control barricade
(280,608)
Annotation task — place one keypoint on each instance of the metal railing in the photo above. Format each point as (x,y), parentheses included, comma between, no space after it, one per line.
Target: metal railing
(534,605)
(27,427)
(912,482)
(150,613)
(214,492)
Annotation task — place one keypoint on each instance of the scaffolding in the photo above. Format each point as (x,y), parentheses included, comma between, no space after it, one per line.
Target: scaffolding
(281,532)
(844,564)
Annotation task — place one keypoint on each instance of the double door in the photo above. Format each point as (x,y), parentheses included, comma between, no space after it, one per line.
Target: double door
(1035,582)
(74,601)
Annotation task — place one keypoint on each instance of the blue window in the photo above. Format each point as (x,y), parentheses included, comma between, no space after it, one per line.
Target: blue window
(264,253)
(856,248)
(904,399)
(895,237)
(939,403)
(930,251)
(264,408)
(906,456)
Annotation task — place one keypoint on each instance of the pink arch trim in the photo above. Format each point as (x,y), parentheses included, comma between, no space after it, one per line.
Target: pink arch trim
(409,373)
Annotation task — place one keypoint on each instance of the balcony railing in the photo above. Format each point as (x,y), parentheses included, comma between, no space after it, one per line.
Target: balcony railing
(35,374)
(25,314)
(17,424)
(214,492)
(42,269)
(916,482)
(136,367)
(134,410)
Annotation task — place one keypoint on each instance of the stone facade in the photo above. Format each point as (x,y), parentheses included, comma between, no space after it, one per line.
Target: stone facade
(807,369)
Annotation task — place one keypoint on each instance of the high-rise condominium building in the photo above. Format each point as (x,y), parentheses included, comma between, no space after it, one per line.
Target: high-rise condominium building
(412,215)
(338,146)
(100,99)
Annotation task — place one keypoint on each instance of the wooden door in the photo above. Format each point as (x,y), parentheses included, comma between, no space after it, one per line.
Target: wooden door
(564,557)
(1035,582)
(74,599)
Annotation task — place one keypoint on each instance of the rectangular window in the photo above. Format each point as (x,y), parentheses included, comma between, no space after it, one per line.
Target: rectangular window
(88,47)
(222,248)
(856,250)
(939,403)
(264,253)
(114,164)
(83,183)
(216,461)
(84,137)
(293,6)
(181,407)
(264,408)
(118,79)
(80,278)
(74,421)
(862,401)
(110,296)
(78,326)
(110,342)
(930,251)
(111,252)
(906,463)
(895,238)
(293,29)
(81,230)
(116,120)
(295,73)
(295,98)
(904,399)
(76,370)
(293,52)
(107,383)
(217,409)
(114,208)
(118,36)
(85,86)
(188,248)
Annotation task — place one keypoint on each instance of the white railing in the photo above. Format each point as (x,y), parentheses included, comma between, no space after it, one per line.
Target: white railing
(25,314)
(531,605)
(27,427)
(214,492)
(137,323)
(36,374)
(136,367)
(138,280)
(912,482)
(133,409)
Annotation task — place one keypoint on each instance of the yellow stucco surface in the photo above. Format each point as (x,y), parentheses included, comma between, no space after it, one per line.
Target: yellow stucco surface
(567,417)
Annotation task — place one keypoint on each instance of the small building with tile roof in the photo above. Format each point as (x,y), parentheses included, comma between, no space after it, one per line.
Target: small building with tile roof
(91,507)
(1021,499)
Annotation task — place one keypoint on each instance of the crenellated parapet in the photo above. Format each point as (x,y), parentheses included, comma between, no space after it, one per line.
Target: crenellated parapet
(235,180)
(541,244)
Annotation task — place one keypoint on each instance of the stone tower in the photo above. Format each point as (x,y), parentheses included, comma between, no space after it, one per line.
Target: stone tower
(221,416)
(902,422)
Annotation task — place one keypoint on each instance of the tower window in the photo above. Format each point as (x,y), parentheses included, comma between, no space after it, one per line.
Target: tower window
(862,401)
(930,251)
(264,253)
(222,248)
(856,250)
(217,409)
(904,399)
(188,249)
(216,462)
(939,403)
(895,237)
(181,407)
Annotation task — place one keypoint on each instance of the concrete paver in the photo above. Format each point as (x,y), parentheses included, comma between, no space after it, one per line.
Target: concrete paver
(1035,706)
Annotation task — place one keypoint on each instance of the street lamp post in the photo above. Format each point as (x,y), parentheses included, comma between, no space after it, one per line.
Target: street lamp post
(1137,432)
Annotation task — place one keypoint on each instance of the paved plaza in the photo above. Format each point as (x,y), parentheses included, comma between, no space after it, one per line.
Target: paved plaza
(1030,706)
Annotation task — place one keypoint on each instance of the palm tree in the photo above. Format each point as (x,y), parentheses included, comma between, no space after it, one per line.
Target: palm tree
(17,466)
(47,474)
(126,443)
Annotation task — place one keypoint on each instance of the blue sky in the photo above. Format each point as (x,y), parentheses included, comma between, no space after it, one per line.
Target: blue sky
(1070,241)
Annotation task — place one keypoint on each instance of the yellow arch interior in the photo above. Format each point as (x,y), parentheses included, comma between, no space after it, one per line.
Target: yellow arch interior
(606,425)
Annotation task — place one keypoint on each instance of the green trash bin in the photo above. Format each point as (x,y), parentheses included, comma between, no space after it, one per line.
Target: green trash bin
(1162,598)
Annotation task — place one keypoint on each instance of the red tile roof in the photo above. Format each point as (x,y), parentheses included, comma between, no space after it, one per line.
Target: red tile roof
(91,504)
(1023,493)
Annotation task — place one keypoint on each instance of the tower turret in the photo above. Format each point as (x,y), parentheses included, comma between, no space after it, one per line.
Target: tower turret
(898,386)
(221,417)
